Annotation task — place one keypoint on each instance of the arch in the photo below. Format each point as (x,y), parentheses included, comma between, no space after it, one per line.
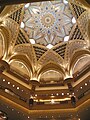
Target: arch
(23,58)
(77,55)
(6,35)
(51,66)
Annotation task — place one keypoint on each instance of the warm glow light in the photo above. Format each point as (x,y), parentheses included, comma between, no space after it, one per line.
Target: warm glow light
(49,46)
(35,95)
(22,25)
(66,38)
(62,93)
(85,84)
(13,85)
(32,41)
(81,87)
(57,94)
(73,20)
(52,101)
(27,5)
(67,93)
(17,88)
(8,82)
(65,1)
(3,80)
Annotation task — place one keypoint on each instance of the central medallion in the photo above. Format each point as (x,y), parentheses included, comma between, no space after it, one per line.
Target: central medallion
(47,20)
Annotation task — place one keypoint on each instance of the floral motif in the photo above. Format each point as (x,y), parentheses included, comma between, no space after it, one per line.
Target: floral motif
(48,22)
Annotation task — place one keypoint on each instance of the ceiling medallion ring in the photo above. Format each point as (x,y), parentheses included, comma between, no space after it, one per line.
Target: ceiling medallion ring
(48,20)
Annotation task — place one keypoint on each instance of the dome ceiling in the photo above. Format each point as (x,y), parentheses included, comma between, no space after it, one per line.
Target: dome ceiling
(48,23)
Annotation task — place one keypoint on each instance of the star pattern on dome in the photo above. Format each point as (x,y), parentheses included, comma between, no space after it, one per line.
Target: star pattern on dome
(48,22)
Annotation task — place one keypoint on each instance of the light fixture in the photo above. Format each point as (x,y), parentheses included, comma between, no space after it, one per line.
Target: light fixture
(13,85)
(35,95)
(73,20)
(28,117)
(22,90)
(22,25)
(85,84)
(57,94)
(73,93)
(81,87)
(32,41)
(66,38)
(67,93)
(17,88)
(65,1)
(27,5)
(62,93)
(49,46)
(8,83)
(3,80)
(52,101)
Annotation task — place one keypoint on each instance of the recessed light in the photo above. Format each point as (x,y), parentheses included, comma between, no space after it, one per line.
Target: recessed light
(81,87)
(49,46)
(27,5)
(67,93)
(22,90)
(28,117)
(66,38)
(8,82)
(22,25)
(57,94)
(35,95)
(17,88)
(12,109)
(73,20)
(52,101)
(13,85)
(85,84)
(62,93)
(3,80)
(65,1)
(73,93)
(78,118)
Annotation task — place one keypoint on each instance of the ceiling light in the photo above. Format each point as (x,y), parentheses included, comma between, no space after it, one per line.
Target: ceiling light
(32,41)
(66,38)
(49,46)
(35,95)
(73,20)
(17,88)
(81,87)
(52,101)
(3,80)
(62,93)
(12,109)
(67,93)
(22,90)
(22,25)
(8,82)
(13,85)
(65,1)
(57,94)
(28,117)
(85,84)
(73,93)
(27,5)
